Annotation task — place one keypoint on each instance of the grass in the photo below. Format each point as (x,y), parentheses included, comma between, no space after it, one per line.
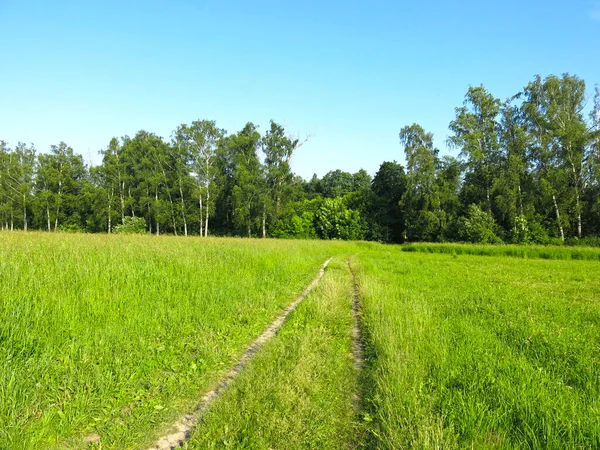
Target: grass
(297,391)
(466,346)
(481,352)
(117,335)
(517,251)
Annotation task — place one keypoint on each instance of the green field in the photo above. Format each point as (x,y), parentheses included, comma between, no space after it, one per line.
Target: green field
(113,338)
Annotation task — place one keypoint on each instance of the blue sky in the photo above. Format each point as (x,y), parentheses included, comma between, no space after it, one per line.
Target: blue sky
(348,73)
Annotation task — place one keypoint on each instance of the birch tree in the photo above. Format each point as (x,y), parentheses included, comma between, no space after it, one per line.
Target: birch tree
(278,149)
(476,131)
(554,111)
(420,202)
(247,179)
(198,142)
(58,182)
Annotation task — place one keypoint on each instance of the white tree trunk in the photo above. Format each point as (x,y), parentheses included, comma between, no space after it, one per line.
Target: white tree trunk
(122,195)
(24,215)
(578,205)
(201,210)
(185,231)
(157,221)
(560,227)
(206,218)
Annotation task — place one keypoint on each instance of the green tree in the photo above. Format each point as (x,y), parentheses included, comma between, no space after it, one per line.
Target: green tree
(59,180)
(197,146)
(477,227)
(334,220)
(553,109)
(421,202)
(512,188)
(110,176)
(278,149)
(247,177)
(336,183)
(16,181)
(388,187)
(476,132)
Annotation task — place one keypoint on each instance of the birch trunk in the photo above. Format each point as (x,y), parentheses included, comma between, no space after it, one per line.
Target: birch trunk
(206,218)
(578,206)
(249,230)
(58,206)
(109,218)
(24,215)
(157,220)
(48,215)
(185,231)
(122,195)
(560,227)
(201,218)
(132,209)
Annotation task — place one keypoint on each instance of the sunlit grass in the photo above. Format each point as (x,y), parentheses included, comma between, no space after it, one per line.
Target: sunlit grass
(297,392)
(481,352)
(518,251)
(120,335)
(116,335)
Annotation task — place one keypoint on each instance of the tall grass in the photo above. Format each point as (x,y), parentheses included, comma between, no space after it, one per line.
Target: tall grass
(297,392)
(117,335)
(517,251)
(481,352)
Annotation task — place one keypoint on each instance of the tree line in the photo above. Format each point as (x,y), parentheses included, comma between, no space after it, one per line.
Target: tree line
(528,171)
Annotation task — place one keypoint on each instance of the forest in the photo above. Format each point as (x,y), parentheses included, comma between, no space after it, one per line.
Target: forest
(528,171)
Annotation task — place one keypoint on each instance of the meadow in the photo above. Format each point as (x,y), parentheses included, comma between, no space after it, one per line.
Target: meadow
(480,351)
(116,337)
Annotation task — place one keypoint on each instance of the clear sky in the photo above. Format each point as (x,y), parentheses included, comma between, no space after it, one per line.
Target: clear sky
(348,73)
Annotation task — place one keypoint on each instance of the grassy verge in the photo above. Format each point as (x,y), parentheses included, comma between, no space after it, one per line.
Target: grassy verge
(481,352)
(517,251)
(297,391)
(118,335)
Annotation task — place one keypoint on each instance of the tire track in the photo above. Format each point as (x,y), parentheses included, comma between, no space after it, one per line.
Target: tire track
(358,349)
(187,423)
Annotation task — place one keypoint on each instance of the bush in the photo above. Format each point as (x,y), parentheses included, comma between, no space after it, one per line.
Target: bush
(132,225)
(334,221)
(591,241)
(478,227)
(70,228)
(296,227)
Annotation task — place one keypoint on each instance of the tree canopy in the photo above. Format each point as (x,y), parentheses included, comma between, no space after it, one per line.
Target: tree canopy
(528,171)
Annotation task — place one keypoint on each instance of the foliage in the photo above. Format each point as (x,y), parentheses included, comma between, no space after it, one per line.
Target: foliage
(132,225)
(532,164)
(477,227)
(334,221)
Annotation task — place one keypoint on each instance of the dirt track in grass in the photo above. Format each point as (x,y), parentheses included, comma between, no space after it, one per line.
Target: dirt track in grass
(182,429)
(358,350)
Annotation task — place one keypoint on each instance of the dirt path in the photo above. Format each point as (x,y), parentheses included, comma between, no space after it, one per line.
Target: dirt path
(183,427)
(358,350)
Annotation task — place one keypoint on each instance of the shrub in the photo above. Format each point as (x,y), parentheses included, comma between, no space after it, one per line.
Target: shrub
(132,225)
(478,227)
